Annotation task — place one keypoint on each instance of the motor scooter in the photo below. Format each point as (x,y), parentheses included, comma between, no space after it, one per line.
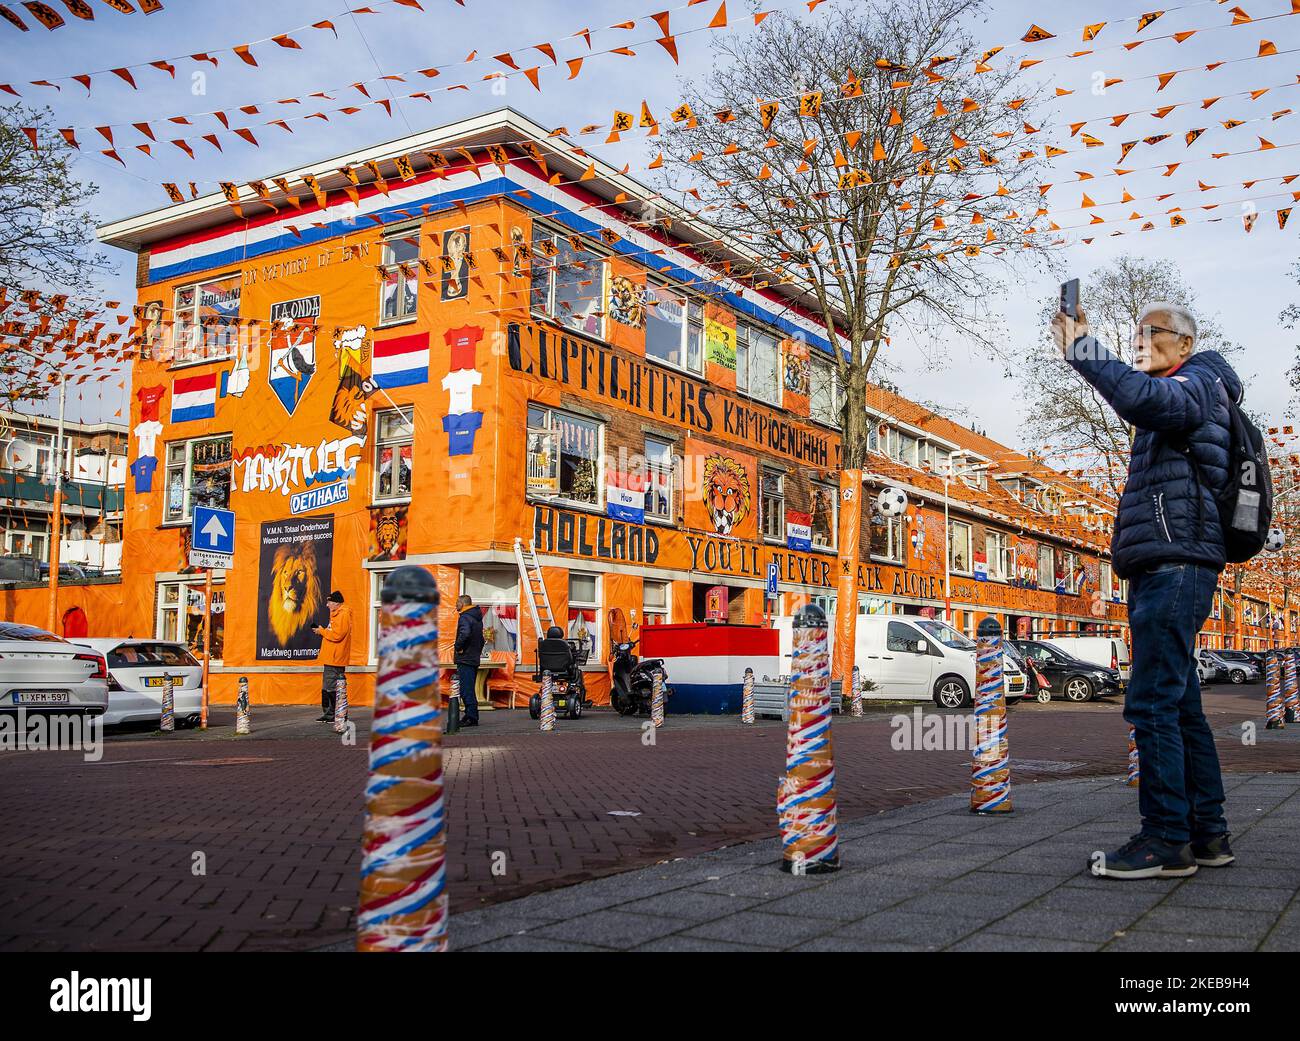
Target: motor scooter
(633,680)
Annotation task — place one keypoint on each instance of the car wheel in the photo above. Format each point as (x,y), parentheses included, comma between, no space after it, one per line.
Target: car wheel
(1043,697)
(1237,676)
(1078,689)
(951,692)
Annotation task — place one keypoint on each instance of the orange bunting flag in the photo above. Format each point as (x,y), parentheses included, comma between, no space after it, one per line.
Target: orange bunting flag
(1282,216)
(1147,19)
(878,151)
(231,193)
(1239,17)
(173,192)
(767,113)
(1266,47)
(918,145)
(810,104)
(1036,34)
(575,66)
(1090,31)
(719,19)
(683,114)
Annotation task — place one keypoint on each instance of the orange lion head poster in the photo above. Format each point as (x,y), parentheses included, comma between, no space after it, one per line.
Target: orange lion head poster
(721,489)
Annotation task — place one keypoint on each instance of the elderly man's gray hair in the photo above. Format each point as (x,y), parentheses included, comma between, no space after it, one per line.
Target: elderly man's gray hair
(1181,320)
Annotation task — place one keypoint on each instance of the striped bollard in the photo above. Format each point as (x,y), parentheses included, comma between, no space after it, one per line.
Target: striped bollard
(403,905)
(1290,687)
(243,719)
(747,698)
(805,796)
(453,705)
(657,699)
(340,704)
(991,764)
(168,722)
(1273,703)
(548,703)
(855,706)
(1133,771)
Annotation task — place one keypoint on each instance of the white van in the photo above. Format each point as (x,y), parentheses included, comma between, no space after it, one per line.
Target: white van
(909,657)
(1110,651)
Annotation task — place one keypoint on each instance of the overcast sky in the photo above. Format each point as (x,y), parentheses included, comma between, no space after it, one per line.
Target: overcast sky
(1244,280)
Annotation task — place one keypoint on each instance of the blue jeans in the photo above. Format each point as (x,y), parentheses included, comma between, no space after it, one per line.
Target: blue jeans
(468,675)
(1180,794)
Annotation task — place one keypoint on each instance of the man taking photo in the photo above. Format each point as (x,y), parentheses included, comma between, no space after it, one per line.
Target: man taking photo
(1169,544)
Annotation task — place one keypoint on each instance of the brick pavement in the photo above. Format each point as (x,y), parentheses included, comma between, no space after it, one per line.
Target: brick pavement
(100,856)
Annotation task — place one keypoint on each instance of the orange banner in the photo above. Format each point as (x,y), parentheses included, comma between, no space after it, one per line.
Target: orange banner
(721,488)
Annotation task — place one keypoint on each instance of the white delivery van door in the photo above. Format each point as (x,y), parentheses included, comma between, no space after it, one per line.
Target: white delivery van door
(903,671)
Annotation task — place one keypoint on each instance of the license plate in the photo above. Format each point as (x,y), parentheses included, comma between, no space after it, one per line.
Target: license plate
(1017,684)
(154,681)
(41,697)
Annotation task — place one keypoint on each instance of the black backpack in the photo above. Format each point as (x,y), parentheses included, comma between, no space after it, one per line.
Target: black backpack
(1245,501)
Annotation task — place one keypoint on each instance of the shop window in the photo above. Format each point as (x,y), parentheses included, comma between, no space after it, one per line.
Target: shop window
(495,591)
(567,282)
(655,601)
(758,364)
(1001,563)
(180,616)
(394,449)
(399,277)
(825,515)
(564,453)
(824,403)
(207,320)
(887,537)
(959,547)
(199,473)
(674,328)
(659,479)
(1046,568)
(584,614)
(772,505)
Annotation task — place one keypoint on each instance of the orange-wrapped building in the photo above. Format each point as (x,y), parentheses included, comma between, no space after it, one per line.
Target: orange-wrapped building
(424,351)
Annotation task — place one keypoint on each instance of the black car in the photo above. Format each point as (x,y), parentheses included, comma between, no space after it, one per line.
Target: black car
(1077,680)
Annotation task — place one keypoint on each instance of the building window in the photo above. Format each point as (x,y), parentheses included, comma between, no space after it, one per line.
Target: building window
(825,515)
(659,479)
(180,616)
(907,450)
(758,364)
(584,614)
(1107,580)
(567,283)
(655,601)
(394,448)
(771,504)
(22,542)
(824,403)
(1072,572)
(942,460)
(377,579)
(207,320)
(1001,562)
(887,537)
(495,591)
(959,547)
(873,436)
(198,474)
(564,453)
(1046,568)
(674,328)
(399,277)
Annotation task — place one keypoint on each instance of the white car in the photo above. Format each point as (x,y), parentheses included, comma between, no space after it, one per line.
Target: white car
(1109,651)
(42,672)
(137,671)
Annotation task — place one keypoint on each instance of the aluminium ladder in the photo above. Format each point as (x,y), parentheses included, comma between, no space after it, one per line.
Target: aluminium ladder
(530,578)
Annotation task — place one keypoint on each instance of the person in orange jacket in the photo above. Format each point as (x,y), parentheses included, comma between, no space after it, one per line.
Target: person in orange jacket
(335,650)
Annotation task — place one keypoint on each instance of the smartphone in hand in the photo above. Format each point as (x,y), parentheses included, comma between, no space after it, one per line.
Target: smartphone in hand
(1070,297)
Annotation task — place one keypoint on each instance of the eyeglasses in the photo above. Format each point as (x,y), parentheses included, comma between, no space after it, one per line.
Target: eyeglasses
(1158,329)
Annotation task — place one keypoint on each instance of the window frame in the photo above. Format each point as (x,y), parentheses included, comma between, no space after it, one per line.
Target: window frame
(548,312)
(670,482)
(388,267)
(997,547)
(407,413)
(834,495)
(187,502)
(953,527)
(1050,584)
(191,352)
(693,322)
(552,430)
(161,608)
(647,612)
(826,366)
(744,347)
(763,473)
(894,527)
(597,653)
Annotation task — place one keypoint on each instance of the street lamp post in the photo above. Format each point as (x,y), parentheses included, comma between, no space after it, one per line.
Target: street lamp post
(950,472)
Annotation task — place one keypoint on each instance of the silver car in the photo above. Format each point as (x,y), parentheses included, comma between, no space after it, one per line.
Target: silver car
(137,676)
(41,672)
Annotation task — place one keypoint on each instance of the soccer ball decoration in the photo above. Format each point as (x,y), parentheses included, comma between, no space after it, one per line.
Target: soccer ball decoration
(1275,541)
(892,502)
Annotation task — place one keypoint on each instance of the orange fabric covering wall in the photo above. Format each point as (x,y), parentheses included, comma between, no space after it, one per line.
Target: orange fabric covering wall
(102,605)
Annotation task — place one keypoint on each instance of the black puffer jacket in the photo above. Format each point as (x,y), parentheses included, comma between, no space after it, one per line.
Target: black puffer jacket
(1165,515)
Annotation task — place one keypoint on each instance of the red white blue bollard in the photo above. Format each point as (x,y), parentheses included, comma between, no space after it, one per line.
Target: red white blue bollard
(340,705)
(747,698)
(1133,771)
(167,722)
(243,717)
(991,763)
(548,703)
(1273,702)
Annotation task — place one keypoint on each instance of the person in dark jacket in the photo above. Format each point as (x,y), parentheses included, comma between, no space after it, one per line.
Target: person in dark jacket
(1169,545)
(468,651)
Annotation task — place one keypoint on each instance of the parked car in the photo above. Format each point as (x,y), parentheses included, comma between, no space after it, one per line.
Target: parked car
(43,672)
(1238,659)
(137,671)
(1077,680)
(1109,651)
(1208,672)
(1230,669)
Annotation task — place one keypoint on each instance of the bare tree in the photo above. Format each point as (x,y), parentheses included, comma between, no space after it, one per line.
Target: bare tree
(1290,318)
(874,158)
(1064,413)
(47,244)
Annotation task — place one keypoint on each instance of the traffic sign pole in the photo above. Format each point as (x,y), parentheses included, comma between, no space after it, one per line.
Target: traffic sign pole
(207,647)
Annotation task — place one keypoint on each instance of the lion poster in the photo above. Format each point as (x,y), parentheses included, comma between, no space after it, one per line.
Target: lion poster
(294,571)
(721,490)
(387,533)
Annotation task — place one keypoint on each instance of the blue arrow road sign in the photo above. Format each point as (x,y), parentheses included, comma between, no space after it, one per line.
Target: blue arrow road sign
(213,530)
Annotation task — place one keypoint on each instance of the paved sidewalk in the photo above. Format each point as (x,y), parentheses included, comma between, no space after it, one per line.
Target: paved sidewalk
(932,876)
